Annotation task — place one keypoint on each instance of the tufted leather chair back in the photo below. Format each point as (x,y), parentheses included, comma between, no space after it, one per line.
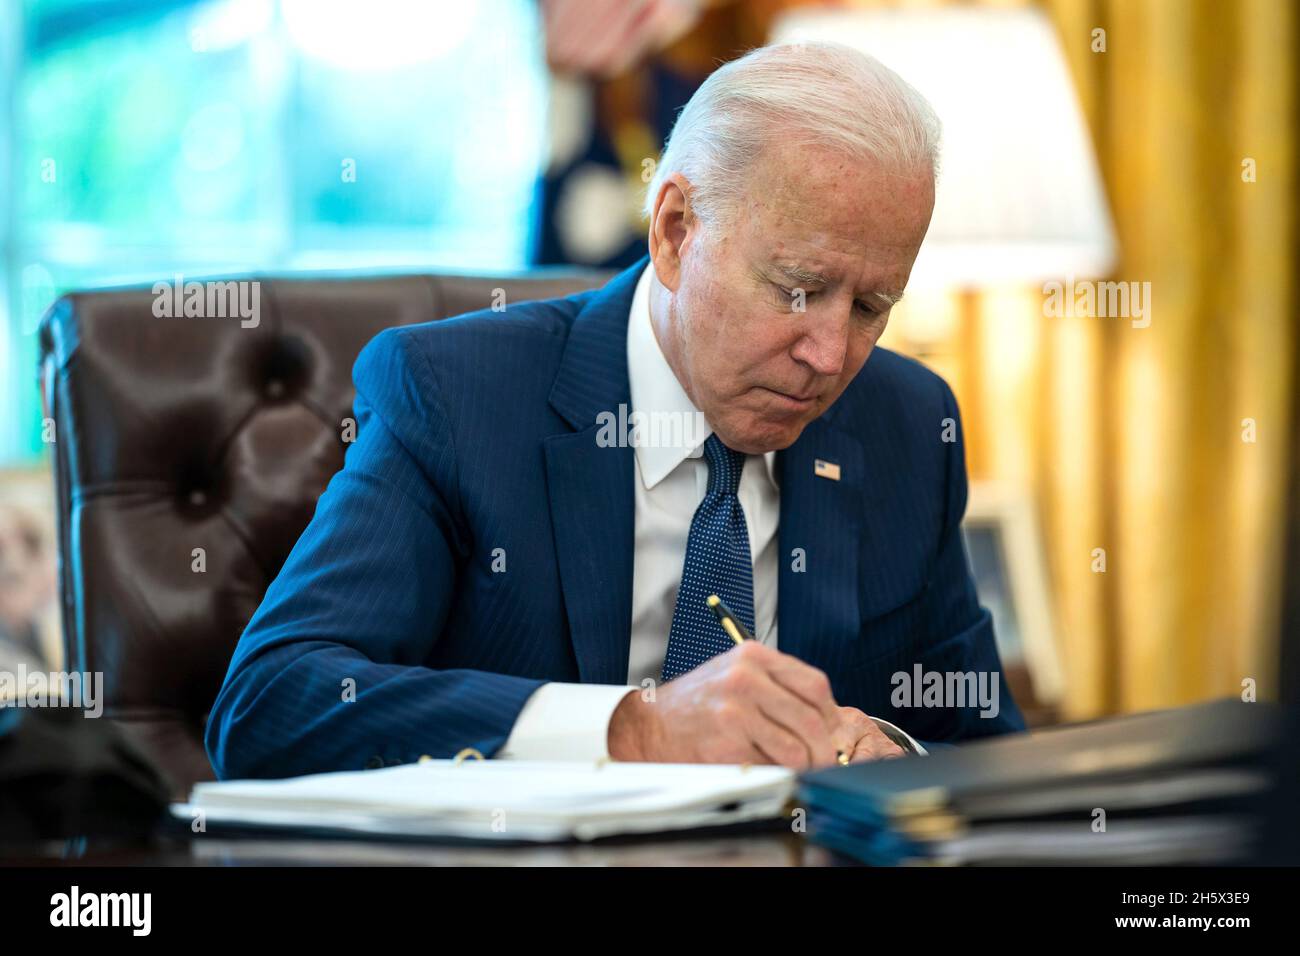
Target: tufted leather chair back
(188,457)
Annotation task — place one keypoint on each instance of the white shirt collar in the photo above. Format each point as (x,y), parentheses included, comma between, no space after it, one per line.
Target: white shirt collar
(655,388)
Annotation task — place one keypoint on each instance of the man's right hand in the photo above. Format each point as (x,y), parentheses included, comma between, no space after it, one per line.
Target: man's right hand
(751,704)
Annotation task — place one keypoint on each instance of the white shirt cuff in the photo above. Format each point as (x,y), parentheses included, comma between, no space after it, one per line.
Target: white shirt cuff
(564,722)
(893,731)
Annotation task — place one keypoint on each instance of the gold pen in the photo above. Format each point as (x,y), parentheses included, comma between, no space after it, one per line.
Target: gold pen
(737,631)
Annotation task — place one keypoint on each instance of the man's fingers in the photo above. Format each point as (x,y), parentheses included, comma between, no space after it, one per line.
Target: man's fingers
(809,683)
(801,720)
(778,743)
(857,721)
(875,745)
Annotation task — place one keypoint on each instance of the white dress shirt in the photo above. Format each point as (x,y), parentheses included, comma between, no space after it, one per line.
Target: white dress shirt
(571,721)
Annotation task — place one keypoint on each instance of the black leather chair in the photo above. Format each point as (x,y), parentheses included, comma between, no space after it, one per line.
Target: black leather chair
(180,434)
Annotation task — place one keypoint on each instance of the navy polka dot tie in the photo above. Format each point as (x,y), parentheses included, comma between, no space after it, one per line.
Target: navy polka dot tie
(717,562)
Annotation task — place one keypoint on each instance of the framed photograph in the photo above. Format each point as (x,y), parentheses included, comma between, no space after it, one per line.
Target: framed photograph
(1010,571)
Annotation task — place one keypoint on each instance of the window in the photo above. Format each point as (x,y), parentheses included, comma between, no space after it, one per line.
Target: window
(151,137)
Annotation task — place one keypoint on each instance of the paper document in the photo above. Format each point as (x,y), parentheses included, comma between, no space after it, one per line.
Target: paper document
(501,799)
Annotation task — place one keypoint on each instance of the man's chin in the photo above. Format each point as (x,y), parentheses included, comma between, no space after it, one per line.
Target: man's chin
(760,437)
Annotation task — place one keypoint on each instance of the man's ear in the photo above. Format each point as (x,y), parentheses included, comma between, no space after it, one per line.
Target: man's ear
(672,227)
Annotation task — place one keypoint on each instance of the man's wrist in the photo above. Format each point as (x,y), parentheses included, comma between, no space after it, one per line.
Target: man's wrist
(564,722)
(628,728)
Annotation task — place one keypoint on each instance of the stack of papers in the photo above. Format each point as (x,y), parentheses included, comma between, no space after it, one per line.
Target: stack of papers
(503,800)
(1167,787)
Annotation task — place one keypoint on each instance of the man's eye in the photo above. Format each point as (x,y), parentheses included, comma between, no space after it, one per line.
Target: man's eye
(794,299)
(866,309)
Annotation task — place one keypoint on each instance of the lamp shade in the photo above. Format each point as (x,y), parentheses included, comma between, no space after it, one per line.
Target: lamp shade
(1019,196)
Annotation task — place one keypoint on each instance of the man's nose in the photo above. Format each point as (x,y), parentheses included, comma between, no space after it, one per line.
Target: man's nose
(824,344)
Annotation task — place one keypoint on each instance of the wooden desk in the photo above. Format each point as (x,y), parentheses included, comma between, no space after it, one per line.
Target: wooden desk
(745,849)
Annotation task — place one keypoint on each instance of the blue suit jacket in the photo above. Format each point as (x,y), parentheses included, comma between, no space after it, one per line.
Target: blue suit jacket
(478,433)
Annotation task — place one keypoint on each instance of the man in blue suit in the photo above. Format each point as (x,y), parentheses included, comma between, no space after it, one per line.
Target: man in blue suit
(516,554)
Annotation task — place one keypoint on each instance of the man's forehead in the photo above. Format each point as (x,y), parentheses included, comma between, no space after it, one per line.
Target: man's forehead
(811,209)
(795,182)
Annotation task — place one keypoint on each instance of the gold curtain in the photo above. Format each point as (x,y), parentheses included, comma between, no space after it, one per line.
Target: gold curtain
(1138,440)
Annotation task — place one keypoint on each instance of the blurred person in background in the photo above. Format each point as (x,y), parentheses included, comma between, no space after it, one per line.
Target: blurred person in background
(621,71)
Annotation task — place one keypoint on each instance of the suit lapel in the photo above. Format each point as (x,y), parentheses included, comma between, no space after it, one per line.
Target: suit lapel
(590,485)
(817,606)
(863,557)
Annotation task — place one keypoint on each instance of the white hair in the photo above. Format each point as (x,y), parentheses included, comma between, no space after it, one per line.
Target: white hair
(822,94)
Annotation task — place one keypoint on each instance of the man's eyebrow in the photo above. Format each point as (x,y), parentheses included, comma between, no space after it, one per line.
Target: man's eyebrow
(797,273)
(800,274)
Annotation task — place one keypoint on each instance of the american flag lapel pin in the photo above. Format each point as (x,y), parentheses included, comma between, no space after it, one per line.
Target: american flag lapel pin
(826,469)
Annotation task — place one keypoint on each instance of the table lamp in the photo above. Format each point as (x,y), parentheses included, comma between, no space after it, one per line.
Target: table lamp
(1019,196)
